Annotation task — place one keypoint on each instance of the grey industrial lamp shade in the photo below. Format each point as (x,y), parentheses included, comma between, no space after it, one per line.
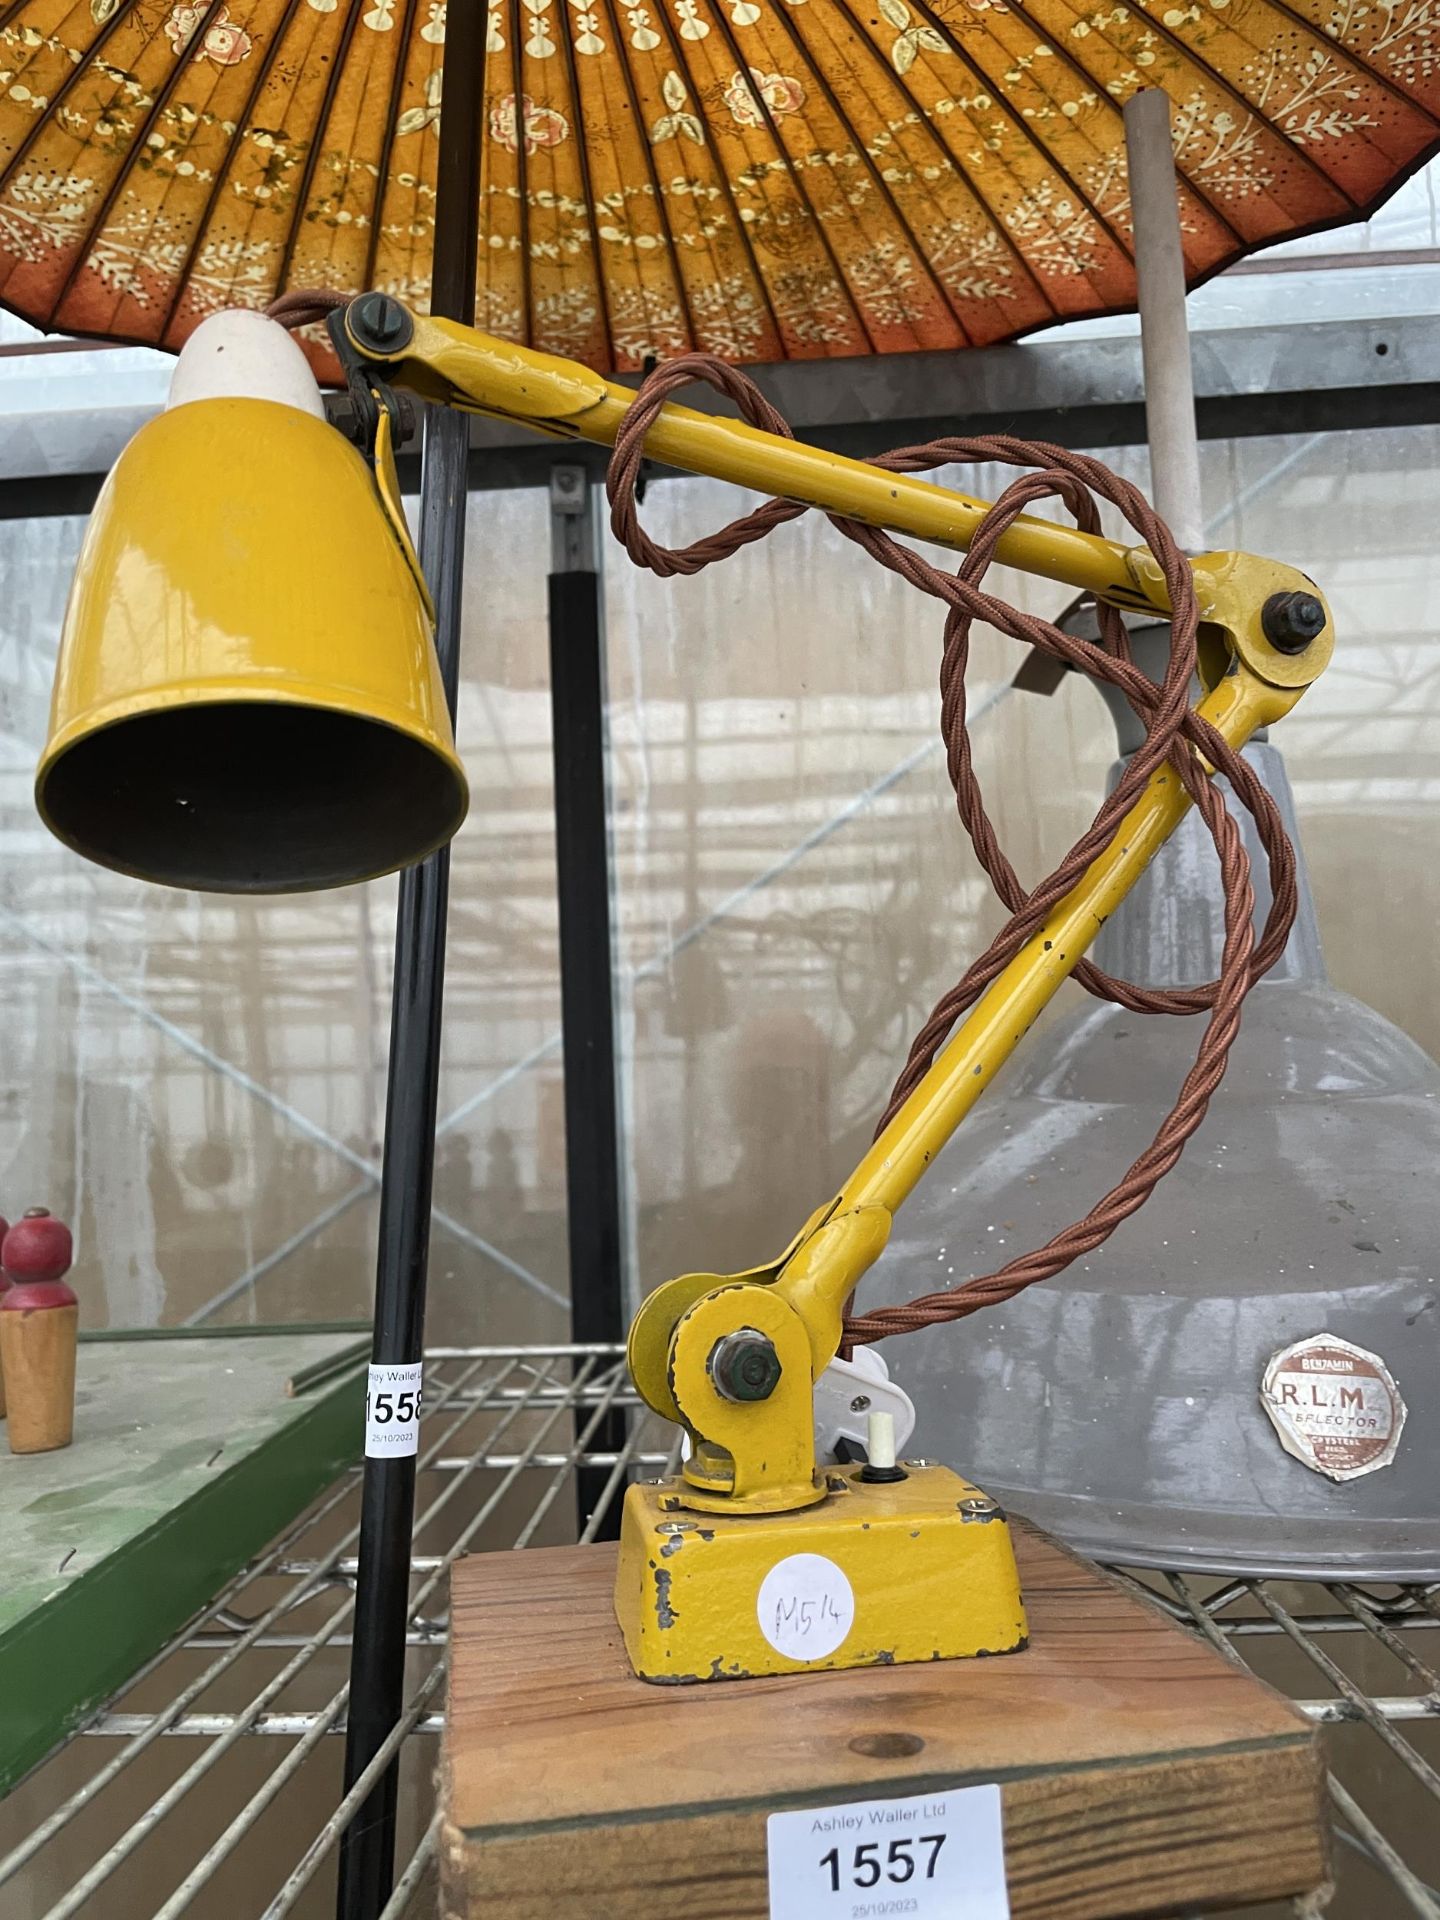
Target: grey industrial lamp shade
(1246,1376)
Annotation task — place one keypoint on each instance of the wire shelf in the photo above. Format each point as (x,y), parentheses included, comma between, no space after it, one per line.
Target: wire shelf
(211,1782)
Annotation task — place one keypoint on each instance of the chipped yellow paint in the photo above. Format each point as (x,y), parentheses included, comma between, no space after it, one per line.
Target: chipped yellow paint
(931,1580)
(758,1455)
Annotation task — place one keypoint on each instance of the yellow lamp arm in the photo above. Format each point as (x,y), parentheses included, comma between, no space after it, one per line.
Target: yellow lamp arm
(759,1457)
(820,1274)
(843,1239)
(461,367)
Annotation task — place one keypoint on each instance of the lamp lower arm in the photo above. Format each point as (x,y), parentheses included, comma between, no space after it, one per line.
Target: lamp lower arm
(817,1275)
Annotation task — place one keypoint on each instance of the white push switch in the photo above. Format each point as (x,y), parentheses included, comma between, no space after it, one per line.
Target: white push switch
(880,1439)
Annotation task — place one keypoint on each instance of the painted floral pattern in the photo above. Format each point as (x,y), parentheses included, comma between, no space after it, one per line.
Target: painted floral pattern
(757,178)
(222,41)
(543,126)
(781,93)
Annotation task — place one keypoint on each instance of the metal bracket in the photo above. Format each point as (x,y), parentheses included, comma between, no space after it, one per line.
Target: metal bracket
(846,1394)
(573,545)
(370,393)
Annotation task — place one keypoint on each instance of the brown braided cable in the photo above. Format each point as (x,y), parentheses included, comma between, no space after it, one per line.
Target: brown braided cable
(1174,732)
(305,306)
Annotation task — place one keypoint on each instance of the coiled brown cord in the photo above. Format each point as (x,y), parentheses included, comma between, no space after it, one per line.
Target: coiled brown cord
(305,306)
(1174,732)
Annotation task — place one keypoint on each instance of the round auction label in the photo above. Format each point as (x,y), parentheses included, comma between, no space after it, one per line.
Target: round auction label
(1335,1406)
(805,1606)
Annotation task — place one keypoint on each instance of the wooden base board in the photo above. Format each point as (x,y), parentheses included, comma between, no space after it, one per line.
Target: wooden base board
(1141,1772)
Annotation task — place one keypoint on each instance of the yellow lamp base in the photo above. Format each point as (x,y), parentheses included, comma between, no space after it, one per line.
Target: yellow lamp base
(875,1575)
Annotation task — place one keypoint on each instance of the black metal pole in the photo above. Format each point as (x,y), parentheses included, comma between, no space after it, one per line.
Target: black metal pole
(587,1007)
(382,1592)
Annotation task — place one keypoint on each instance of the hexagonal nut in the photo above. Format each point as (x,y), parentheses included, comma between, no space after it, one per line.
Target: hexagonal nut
(1292,620)
(744,1365)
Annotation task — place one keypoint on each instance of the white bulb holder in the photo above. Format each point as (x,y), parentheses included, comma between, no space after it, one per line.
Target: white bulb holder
(240,355)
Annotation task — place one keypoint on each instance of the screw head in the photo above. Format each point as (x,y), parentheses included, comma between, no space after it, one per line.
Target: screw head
(744,1365)
(1292,620)
(380,322)
(860,1403)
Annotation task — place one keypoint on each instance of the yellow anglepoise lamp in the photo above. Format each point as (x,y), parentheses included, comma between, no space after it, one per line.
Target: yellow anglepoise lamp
(247,699)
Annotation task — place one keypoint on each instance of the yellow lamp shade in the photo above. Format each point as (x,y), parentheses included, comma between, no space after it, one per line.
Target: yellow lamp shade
(247,698)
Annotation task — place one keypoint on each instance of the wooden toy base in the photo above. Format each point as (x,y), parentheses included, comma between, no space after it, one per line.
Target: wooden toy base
(37,1358)
(1142,1773)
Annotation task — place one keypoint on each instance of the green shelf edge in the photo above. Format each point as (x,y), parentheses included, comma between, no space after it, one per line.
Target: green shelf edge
(61,1663)
(239,1331)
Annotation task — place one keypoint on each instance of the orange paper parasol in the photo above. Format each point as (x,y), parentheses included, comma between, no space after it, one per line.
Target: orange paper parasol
(756,178)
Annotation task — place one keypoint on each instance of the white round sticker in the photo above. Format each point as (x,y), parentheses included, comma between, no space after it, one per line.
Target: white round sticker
(806,1607)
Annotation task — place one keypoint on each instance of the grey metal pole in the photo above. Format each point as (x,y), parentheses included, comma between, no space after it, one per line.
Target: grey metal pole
(1164,329)
(595,1215)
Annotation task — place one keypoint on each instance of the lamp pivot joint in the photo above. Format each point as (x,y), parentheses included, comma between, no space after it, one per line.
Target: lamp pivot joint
(1292,620)
(379,323)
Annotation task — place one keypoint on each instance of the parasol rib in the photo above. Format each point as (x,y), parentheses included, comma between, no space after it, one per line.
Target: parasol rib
(1018,120)
(26,144)
(387,148)
(802,195)
(591,215)
(912,239)
(222,173)
(740,225)
(682,287)
(1115,109)
(312,156)
(163,97)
